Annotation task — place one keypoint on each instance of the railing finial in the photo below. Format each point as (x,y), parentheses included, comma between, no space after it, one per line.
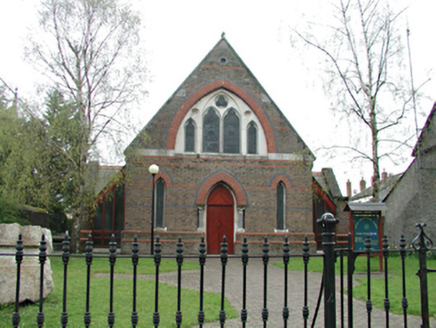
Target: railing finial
(422,242)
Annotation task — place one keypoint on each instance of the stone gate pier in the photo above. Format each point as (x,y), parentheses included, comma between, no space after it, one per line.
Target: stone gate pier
(30,266)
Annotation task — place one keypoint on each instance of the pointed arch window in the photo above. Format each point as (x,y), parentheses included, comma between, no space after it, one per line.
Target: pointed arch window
(190,136)
(252,138)
(281,202)
(231,132)
(211,132)
(220,123)
(160,197)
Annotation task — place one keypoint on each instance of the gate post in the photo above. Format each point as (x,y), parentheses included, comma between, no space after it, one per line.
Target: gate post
(328,222)
(422,244)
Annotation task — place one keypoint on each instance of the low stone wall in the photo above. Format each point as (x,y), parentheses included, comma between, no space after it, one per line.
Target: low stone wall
(30,267)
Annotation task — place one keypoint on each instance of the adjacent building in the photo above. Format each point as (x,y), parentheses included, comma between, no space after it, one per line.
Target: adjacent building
(413,198)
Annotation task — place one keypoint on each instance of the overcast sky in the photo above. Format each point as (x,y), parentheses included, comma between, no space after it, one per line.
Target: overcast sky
(179,34)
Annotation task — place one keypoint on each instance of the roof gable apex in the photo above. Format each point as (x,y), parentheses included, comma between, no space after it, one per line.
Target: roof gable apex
(221,68)
(427,138)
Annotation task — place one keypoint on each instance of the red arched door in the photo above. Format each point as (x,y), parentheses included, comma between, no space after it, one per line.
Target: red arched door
(220,220)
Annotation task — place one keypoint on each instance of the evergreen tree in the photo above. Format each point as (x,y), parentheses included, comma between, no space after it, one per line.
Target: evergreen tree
(38,156)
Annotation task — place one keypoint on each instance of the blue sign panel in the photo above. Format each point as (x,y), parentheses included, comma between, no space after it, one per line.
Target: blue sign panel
(365,225)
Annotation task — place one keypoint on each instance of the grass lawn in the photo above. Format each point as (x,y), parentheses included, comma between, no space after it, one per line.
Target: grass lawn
(378,285)
(99,299)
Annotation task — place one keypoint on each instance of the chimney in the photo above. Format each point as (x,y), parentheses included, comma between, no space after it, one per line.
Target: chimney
(348,188)
(384,176)
(362,185)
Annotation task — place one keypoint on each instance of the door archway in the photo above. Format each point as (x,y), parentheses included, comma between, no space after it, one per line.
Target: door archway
(220,219)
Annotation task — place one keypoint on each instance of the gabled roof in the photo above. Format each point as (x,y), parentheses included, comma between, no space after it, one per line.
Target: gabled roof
(106,175)
(427,138)
(100,177)
(426,142)
(327,180)
(385,188)
(221,68)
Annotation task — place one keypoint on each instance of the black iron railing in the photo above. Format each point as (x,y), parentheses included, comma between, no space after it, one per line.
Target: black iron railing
(422,244)
(179,257)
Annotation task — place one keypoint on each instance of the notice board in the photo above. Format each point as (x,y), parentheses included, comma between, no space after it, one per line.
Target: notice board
(366,224)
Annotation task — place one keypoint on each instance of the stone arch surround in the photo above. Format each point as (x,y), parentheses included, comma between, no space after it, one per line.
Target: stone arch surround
(207,185)
(281,177)
(241,93)
(161,174)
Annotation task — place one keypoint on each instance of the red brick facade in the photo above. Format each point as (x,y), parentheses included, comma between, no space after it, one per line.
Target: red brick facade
(190,176)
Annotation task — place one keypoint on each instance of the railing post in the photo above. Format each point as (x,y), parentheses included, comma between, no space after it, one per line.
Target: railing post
(265,259)
(368,279)
(157,260)
(224,258)
(179,259)
(244,259)
(286,257)
(387,303)
(306,250)
(42,258)
(112,260)
(65,260)
(404,303)
(202,261)
(88,257)
(328,222)
(135,259)
(18,259)
(422,244)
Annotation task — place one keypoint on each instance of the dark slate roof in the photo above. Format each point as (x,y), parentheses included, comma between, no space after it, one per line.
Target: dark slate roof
(106,173)
(385,189)
(327,180)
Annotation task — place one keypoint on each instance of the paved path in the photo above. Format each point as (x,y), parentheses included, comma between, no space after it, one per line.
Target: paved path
(233,292)
(190,279)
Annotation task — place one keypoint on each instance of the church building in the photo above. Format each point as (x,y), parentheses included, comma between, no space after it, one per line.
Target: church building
(230,164)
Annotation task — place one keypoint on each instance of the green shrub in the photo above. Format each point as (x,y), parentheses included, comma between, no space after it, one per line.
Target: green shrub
(9,213)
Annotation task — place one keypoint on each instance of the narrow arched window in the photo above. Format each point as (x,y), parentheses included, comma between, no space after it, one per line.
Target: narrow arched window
(160,197)
(211,132)
(231,132)
(281,201)
(190,135)
(252,138)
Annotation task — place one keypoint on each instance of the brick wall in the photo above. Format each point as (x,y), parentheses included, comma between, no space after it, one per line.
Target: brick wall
(185,177)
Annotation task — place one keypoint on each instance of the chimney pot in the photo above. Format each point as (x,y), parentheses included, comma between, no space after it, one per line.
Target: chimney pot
(349,188)
(362,185)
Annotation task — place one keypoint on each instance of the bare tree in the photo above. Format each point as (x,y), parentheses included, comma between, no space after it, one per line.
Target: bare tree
(364,52)
(89,51)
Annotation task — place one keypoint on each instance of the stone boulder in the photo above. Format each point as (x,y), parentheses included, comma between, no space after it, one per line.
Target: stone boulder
(30,267)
